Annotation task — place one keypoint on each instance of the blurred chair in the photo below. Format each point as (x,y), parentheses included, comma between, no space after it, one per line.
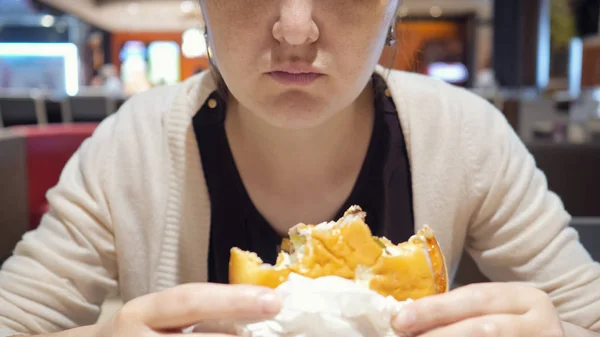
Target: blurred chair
(572,173)
(589,232)
(14,211)
(87,108)
(47,151)
(22,109)
(54,111)
(120,102)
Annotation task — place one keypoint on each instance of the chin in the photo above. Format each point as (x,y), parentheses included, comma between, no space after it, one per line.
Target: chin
(285,122)
(298,112)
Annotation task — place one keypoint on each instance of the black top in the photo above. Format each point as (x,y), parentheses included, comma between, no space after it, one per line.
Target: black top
(383,187)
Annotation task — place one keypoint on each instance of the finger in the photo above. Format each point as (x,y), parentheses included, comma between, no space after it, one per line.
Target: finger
(214,326)
(483,326)
(187,305)
(466,302)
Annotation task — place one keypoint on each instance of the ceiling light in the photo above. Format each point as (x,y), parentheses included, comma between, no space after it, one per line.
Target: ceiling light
(403,11)
(187,6)
(68,51)
(133,8)
(436,11)
(194,44)
(47,21)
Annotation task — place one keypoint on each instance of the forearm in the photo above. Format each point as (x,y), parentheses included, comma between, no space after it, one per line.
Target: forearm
(572,330)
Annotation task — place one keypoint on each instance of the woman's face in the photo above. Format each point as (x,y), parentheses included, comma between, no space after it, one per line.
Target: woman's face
(295,63)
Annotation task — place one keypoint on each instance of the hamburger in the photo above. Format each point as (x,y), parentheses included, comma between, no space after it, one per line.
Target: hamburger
(346,248)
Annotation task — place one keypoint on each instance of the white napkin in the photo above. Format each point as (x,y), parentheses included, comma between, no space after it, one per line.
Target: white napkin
(327,306)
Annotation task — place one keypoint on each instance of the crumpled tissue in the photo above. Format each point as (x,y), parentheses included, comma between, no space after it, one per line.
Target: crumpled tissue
(327,306)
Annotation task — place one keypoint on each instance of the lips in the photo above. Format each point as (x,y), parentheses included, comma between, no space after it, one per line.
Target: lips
(294,78)
(295,74)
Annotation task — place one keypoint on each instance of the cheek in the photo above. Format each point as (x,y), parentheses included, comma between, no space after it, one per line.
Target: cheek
(241,53)
(357,40)
(231,18)
(239,29)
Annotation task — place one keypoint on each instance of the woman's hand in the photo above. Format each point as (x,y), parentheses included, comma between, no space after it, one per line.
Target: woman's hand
(171,311)
(482,310)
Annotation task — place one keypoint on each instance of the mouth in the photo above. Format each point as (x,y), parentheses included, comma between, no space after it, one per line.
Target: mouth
(295,74)
(294,78)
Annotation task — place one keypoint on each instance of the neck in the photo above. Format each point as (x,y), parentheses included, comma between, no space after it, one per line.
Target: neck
(330,150)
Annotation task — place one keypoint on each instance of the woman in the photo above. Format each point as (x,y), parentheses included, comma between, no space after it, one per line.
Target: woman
(304,127)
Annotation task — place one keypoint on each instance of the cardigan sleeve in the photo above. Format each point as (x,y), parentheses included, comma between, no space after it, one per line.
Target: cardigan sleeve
(61,272)
(520,230)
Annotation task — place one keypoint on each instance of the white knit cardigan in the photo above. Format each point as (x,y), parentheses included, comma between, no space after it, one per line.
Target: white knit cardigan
(131,212)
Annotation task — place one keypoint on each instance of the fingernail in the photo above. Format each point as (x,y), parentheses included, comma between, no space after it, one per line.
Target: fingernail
(405,319)
(269,303)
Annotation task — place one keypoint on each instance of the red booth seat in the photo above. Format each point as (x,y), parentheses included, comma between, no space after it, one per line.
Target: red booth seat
(48,149)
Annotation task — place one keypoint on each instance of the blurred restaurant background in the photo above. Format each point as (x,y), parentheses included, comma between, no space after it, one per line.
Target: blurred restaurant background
(65,65)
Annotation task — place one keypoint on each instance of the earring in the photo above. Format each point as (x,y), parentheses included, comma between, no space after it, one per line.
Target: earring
(209,51)
(390,40)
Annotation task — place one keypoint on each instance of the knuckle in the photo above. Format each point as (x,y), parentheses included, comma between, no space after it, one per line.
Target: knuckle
(487,329)
(545,323)
(480,294)
(540,298)
(427,309)
(186,300)
(432,310)
(129,312)
(242,303)
(247,297)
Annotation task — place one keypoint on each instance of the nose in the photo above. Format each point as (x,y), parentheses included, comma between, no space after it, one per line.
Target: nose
(296,25)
